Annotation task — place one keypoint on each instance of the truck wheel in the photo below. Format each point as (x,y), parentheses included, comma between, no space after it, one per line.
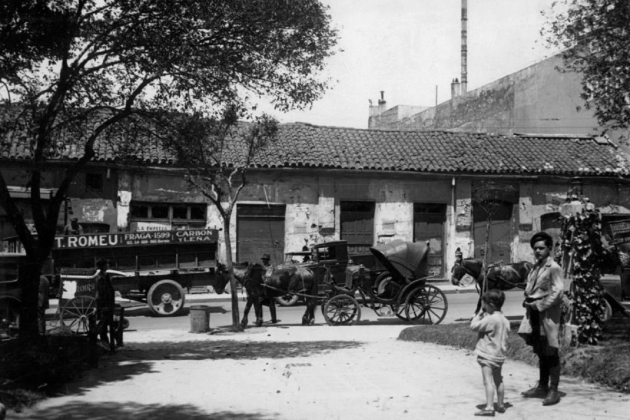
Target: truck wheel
(9,316)
(166,298)
(287,300)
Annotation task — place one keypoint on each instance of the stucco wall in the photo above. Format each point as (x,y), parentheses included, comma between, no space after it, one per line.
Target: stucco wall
(537,99)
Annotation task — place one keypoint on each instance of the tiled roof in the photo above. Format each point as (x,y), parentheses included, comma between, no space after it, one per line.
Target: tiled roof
(310,146)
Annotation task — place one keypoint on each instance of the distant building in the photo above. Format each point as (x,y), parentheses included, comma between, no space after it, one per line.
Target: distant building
(536,100)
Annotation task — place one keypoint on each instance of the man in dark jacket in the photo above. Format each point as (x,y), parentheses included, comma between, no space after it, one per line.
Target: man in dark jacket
(105,301)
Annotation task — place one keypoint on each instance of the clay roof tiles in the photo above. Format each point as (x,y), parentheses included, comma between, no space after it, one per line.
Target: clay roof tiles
(306,145)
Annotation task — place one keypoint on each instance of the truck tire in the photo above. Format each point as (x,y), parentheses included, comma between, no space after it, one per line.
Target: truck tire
(166,298)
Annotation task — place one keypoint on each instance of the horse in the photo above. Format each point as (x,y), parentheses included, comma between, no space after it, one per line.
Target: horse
(499,276)
(282,281)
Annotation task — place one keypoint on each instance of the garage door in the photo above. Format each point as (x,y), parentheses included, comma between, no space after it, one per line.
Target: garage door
(501,232)
(260,230)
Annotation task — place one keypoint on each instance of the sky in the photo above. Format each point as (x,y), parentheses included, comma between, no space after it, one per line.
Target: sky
(408,47)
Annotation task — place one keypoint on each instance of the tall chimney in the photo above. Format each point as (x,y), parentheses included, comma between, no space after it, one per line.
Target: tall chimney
(381,102)
(464,82)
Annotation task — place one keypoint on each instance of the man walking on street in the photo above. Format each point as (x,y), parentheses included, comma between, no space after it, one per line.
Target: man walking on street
(540,326)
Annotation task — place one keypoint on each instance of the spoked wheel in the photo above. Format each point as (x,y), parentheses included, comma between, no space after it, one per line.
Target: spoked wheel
(75,314)
(342,310)
(166,298)
(9,316)
(287,300)
(399,310)
(426,305)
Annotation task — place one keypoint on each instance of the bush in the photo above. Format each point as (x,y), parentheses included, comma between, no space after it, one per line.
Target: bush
(31,370)
(607,364)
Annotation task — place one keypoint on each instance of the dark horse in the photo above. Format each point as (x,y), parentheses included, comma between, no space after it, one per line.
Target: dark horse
(499,276)
(282,281)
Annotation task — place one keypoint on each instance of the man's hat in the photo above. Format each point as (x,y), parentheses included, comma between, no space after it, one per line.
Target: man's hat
(266,257)
(74,219)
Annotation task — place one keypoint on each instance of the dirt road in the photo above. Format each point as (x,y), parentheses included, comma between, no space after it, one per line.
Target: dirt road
(295,372)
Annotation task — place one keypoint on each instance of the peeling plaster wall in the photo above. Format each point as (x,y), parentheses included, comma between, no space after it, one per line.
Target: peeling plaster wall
(461,232)
(163,188)
(313,200)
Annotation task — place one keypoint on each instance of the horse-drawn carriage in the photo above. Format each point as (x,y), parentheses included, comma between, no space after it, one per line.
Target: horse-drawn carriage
(396,284)
(401,289)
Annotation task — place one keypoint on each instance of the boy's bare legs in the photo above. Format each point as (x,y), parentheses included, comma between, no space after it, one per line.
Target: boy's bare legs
(498,382)
(488,382)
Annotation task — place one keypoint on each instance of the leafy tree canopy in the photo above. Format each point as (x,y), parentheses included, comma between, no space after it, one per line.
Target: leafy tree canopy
(595,38)
(74,71)
(71,70)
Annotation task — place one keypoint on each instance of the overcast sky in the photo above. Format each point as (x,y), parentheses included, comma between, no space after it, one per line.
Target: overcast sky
(408,47)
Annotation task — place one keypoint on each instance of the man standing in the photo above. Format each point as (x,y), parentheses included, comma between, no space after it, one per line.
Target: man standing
(265,259)
(105,302)
(43,303)
(73,228)
(539,328)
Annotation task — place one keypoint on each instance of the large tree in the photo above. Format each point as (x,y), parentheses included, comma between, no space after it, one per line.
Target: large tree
(595,38)
(79,71)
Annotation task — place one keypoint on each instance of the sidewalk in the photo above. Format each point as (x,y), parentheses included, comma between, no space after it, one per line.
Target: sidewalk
(445,286)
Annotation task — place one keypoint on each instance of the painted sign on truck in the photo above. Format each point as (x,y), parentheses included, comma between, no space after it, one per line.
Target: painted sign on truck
(100,240)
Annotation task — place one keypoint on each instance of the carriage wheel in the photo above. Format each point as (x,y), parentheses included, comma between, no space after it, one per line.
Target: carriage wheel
(9,316)
(287,300)
(426,305)
(166,298)
(399,310)
(75,314)
(342,310)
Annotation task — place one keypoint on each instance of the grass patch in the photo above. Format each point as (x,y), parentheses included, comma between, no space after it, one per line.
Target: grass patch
(32,370)
(606,364)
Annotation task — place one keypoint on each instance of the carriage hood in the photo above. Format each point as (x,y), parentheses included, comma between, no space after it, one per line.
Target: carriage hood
(405,259)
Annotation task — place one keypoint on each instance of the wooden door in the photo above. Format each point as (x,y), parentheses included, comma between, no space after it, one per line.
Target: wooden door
(260,230)
(357,226)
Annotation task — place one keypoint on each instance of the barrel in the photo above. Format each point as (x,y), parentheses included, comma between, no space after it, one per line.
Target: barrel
(199,319)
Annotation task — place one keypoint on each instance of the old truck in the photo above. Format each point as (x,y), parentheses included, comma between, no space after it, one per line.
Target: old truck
(155,267)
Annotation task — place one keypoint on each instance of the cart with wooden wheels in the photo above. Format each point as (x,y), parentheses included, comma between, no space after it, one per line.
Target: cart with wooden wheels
(77,303)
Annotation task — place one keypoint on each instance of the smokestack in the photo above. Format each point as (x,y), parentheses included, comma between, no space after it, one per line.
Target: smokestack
(381,102)
(464,85)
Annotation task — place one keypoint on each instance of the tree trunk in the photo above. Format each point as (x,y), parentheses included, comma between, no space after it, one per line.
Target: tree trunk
(29,280)
(485,257)
(228,262)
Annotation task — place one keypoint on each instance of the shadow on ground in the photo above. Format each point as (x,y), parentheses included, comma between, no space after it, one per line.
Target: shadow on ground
(112,410)
(229,349)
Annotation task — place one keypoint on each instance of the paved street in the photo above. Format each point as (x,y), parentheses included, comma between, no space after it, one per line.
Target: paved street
(460,309)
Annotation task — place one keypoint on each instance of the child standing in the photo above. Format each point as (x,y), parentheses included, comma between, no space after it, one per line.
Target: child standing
(491,348)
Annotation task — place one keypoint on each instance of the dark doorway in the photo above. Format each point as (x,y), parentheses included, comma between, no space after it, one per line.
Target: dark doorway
(357,226)
(260,230)
(428,225)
